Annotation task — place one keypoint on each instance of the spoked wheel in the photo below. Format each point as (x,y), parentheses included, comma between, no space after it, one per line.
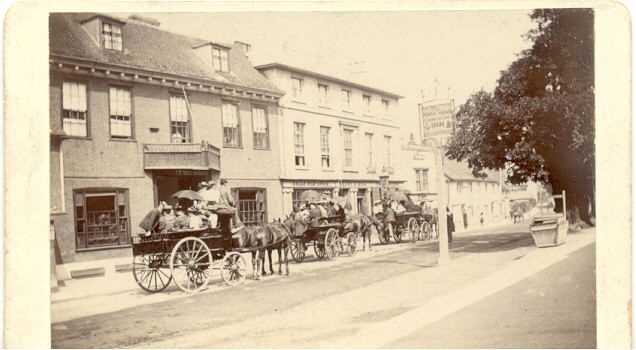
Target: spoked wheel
(151,272)
(190,264)
(332,244)
(298,250)
(319,250)
(425,231)
(413,229)
(233,269)
(352,243)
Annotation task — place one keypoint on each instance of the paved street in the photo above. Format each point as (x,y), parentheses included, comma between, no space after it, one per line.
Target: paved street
(324,304)
(555,308)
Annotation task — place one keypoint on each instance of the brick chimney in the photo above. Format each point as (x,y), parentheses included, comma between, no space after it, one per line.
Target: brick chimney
(245,47)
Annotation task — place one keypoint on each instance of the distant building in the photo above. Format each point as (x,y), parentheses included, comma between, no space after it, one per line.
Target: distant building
(138,113)
(337,136)
(417,167)
(474,195)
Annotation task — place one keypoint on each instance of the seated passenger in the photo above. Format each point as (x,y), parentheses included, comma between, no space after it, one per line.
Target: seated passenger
(166,221)
(150,222)
(182,220)
(323,211)
(400,209)
(195,219)
(314,214)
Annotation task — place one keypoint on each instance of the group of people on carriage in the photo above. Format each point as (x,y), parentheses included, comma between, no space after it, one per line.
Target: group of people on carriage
(193,210)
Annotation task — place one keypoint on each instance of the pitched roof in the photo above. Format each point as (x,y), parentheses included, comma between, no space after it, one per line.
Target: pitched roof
(327,77)
(460,171)
(152,49)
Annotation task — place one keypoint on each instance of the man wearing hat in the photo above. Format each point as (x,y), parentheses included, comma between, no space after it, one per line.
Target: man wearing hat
(150,222)
(225,198)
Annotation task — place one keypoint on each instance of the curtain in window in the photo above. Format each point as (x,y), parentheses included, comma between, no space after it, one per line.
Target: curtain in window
(259,124)
(74,108)
(179,120)
(120,112)
(230,125)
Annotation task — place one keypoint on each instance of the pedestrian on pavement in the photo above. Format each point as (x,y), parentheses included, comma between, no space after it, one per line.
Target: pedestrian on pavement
(481,218)
(465,217)
(450,224)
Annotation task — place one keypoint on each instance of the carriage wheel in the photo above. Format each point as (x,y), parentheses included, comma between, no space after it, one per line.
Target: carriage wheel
(319,250)
(296,250)
(413,229)
(151,272)
(332,244)
(352,243)
(425,231)
(234,269)
(190,264)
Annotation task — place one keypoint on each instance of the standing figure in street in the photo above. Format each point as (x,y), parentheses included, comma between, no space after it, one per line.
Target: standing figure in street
(465,217)
(481,218)
(226,198)
(389,217)
(450,224)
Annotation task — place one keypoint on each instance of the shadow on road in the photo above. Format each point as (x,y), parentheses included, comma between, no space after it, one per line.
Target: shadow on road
(487,243)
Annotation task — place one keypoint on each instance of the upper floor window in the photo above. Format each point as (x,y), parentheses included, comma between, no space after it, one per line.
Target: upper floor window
(387,141)
(111,36)
(369,138)
(348,147)
(385,106)
(179,120)
(299,144)
(366,99)
(74,109)
(231,125)
(421,180)
(220,60)
(322,93)
(120,113)
(324,147)
(346,99)
(260,127)
(297,87)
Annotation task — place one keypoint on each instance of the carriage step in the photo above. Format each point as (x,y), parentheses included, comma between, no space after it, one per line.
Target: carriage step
(97,271)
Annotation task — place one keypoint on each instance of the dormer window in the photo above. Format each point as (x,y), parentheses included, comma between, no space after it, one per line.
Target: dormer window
(220,59)
(111,36)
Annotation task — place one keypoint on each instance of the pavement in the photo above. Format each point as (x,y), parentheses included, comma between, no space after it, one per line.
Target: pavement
(370,300)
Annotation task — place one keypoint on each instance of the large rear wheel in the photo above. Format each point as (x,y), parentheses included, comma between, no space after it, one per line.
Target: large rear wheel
(190,264)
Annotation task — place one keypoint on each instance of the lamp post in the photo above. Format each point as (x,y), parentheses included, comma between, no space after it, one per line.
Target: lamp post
(441,200)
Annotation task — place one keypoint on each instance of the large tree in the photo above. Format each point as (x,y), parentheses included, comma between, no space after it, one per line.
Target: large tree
(539,122)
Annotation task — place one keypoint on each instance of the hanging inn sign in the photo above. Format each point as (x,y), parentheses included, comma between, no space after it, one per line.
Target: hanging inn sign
(436,118)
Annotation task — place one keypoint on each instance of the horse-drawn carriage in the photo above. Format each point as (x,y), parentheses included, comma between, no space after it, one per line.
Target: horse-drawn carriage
(411,225)
(187,257)
(327,237)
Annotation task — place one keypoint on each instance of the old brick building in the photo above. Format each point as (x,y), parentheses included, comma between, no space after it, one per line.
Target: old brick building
(138,113)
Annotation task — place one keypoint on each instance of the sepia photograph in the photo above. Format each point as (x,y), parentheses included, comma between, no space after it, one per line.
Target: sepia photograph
(324,178)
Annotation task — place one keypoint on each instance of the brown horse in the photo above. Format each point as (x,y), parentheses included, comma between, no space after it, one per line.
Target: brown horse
(362,224)
(281,231)
(255,239)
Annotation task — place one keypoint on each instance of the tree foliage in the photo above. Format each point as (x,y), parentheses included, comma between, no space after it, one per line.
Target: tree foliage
(539,121)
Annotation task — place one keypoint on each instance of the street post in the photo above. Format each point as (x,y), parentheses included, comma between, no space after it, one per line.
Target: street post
(441,202)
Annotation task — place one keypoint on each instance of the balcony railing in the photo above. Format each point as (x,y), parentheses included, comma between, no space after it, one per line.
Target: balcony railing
(195,156)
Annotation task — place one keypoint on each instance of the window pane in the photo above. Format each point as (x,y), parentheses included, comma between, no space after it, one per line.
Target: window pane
(224,61)
(74,108)
(231,135)
(259,124)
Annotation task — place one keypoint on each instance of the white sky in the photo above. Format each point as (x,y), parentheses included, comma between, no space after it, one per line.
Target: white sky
(398,51)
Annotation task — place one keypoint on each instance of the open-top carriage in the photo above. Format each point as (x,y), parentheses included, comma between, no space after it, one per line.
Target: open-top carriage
(187,257)
(407,227)
(327,237)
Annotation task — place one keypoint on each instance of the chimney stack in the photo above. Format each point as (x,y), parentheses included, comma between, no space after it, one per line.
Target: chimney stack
(245,47)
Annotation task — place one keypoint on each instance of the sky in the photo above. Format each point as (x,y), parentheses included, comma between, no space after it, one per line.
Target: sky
(411,53)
